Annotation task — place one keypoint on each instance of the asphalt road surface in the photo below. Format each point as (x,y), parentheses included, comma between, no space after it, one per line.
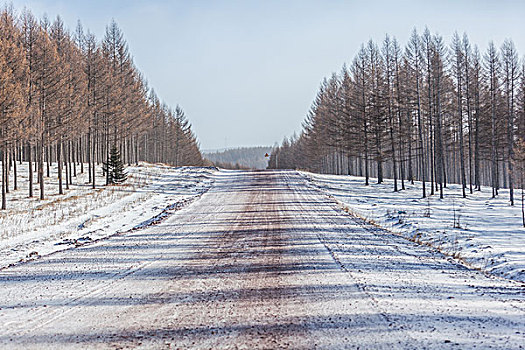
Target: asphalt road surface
(260,261)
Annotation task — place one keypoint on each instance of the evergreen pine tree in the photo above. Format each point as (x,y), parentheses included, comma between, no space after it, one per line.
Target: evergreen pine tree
(115,167)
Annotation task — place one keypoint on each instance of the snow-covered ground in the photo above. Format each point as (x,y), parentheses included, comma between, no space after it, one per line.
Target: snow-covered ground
(485,233)
(260,261)
(30,228)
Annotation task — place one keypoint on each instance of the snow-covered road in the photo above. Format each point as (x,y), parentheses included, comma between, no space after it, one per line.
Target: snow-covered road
(259,261)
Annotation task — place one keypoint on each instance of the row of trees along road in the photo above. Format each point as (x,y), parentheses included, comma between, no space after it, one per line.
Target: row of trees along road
(66,98)
(429,112)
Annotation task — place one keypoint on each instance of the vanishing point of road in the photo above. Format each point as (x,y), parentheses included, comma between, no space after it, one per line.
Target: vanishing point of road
(260,261)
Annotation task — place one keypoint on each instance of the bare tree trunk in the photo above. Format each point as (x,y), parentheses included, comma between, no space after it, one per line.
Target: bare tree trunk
(522,198)
(393,150)
(69,160)
(4,176)
(41,167)
(469,113)
(477,165)
(59,163)
(93,178)
(7,167)
(74,146)
(392,138)
(421,142)
(510,141)
(461,152)
(89,154)
(493,155)
(30,167)
(81,155)
(365,129)
(64,162)
(48,160)
(495,179)
(136,150)
(15,172)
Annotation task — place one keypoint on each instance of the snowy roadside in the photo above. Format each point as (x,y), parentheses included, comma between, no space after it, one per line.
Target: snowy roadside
(485,233)
(32,228)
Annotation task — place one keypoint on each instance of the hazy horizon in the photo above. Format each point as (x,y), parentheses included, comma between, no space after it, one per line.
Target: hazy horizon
(246,72)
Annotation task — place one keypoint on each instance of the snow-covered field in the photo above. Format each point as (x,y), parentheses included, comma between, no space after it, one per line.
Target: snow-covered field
(30,228)
(485,233)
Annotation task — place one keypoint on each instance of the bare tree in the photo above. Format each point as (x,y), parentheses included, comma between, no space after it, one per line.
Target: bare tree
(492,66)
(510,71)
(458,64)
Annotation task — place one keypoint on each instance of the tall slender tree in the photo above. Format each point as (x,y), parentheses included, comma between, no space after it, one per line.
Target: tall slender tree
(510,71)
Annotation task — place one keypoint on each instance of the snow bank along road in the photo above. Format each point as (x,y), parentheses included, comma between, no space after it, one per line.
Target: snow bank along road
(259,261)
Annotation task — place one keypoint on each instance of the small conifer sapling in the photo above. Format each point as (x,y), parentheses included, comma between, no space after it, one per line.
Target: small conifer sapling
(114,168)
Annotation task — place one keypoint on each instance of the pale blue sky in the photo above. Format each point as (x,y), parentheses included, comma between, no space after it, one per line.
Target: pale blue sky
(246,72)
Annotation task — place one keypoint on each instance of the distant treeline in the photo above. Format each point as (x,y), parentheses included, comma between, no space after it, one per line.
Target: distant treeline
(427,112)
(66,98)
(240,158)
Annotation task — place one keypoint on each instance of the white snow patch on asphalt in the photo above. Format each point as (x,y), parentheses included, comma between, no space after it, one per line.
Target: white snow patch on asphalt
(30,228)
(487,233)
